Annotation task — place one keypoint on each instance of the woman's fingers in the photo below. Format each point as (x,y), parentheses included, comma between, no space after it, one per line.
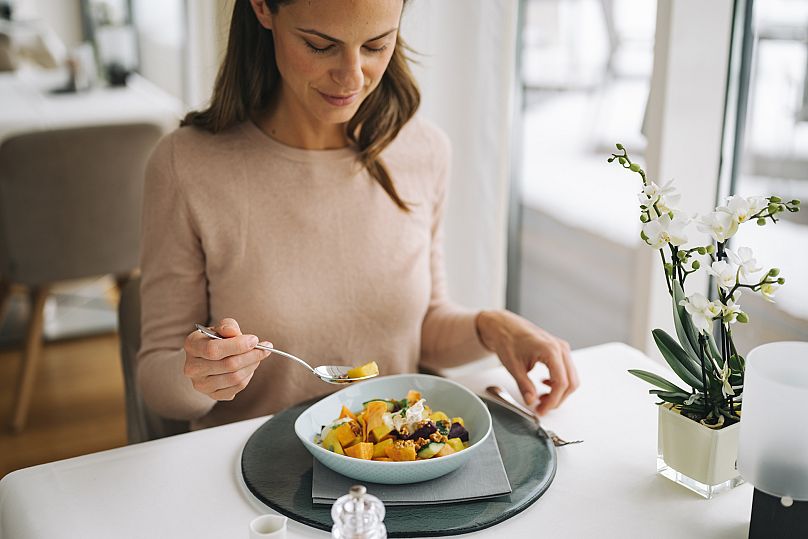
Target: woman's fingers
(523,381)
(221,368)
(216,349)
(228,327)
(225,387)
(572,373)
(553,358)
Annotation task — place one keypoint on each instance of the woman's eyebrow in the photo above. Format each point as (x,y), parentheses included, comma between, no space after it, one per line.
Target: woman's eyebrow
(335,40)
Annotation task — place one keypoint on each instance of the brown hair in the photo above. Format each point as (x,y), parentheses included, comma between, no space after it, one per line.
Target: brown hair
(247,79)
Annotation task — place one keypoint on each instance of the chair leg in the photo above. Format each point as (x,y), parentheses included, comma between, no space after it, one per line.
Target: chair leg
(31,358)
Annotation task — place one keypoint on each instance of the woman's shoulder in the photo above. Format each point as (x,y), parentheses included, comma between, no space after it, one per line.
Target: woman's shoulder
(421,134)
(193,142)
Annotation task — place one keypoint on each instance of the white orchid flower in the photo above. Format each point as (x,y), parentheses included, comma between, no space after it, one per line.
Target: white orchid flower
(719,224)
(767,290)
(744,258)
(724,272)
(730,311)
(665,230)
(664,197)
(702,311)
(726,387)
(742,209)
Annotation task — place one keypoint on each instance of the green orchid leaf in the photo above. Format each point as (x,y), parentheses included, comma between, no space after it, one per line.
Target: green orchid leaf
(677,358)
(736,363)
(656,380)
(692,364)
(674,397)
(712,349)
(688,336)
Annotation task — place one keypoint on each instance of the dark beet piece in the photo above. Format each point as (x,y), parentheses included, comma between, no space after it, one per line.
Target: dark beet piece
(459,431)
(423,431)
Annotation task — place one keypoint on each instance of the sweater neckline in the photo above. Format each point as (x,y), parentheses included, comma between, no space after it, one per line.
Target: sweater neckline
(298,154)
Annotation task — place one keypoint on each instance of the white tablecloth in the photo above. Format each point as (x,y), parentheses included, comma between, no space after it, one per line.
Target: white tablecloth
(26,103)
(188,485)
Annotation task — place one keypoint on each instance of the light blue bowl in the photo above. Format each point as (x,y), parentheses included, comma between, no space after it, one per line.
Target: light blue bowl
(440,394)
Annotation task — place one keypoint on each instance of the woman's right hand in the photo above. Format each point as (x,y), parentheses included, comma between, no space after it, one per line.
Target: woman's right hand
(221,368)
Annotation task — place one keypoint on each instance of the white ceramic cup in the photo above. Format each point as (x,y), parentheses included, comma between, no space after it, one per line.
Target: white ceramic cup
(268,527)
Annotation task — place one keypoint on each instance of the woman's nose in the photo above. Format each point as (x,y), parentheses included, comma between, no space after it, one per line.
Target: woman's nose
(348,74)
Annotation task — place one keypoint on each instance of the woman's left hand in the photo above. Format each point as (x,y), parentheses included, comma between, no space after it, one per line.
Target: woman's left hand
(520,345)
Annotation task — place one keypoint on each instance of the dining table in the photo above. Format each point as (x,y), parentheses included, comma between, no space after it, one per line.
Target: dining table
(190,485)
(31,100)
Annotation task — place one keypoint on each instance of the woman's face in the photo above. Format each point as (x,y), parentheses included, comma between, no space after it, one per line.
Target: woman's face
(331,54)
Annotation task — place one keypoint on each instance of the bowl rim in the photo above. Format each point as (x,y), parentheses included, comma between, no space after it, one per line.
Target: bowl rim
(311,444)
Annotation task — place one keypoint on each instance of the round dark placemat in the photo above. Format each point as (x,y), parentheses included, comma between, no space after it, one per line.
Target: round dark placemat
(277,470)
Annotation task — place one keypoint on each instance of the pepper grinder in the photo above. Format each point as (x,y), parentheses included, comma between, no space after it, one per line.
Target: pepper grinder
(358,515)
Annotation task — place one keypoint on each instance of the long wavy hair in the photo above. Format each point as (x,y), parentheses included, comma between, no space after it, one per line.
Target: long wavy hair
(249,74)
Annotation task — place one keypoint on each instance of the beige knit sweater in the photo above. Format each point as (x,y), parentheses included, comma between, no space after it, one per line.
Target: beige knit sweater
(304,250)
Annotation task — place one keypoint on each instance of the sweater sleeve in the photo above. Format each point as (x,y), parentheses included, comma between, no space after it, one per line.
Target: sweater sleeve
(449,332)
(173,291)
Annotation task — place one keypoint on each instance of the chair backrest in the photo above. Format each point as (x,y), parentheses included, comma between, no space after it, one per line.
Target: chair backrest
(70,201)
(141,423)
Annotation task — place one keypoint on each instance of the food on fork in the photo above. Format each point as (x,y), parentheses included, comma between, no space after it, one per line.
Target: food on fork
(368,369)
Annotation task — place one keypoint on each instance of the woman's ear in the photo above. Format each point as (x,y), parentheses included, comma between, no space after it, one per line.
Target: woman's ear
(262,12)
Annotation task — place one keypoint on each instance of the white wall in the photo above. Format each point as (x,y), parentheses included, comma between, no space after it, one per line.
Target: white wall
(63,16)
(684,129)
(467,77)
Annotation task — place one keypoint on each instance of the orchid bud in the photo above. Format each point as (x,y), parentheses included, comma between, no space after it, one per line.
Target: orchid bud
(795,202)
(644,218)
(775,199)
(610,159)
(710,249)
(742,318)
(761,221)
(781,281)
(681,255)
(772,208)
(774,272)
(619,146)
(634,167)
(701,251)
(622,160)
(696,264)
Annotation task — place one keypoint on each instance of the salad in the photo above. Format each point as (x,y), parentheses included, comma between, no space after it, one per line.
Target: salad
(394,430)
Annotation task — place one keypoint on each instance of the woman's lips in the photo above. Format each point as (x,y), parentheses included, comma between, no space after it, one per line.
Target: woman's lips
(339,100)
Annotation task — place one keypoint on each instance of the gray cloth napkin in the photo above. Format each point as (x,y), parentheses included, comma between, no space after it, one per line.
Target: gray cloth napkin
(482,477)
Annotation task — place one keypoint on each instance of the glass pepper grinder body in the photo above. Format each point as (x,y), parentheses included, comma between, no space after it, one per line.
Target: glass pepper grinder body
(358,515)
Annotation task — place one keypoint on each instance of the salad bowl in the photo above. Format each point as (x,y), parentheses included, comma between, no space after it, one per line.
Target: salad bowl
(439,393)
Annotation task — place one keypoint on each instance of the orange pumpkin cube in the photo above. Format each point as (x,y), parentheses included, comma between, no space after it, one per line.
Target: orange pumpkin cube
(361,450)
(379,448)
(346,413)
(348,433)
(375,411)
(401,454)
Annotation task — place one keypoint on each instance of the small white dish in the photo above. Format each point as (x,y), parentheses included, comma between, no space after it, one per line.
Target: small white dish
(440,394)
(268,527)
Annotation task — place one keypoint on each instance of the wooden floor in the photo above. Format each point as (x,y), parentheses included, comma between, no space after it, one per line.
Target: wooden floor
(77,407)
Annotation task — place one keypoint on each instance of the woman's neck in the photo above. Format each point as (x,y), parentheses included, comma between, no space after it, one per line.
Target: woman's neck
(287,122)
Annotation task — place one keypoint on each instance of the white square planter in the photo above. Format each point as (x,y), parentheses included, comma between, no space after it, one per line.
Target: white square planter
(699,458)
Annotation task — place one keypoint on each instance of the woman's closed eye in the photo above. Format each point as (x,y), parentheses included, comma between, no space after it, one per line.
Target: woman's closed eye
(318,50)
(371,48)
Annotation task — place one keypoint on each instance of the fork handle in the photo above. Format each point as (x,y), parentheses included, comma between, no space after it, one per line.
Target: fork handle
(506,399)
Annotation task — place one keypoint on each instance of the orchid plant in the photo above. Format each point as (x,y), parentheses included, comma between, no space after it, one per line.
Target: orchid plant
(704,356)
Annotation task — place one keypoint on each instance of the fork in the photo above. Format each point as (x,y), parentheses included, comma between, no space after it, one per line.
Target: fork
(506,399)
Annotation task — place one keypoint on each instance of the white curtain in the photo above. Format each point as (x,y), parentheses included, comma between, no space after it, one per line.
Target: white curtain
(467,58)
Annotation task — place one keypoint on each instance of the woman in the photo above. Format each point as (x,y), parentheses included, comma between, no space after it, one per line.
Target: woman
(307,201)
